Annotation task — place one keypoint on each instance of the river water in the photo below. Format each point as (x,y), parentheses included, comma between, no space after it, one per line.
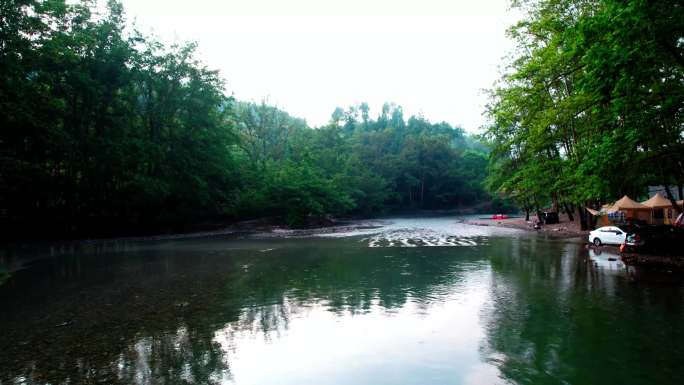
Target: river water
(419,301)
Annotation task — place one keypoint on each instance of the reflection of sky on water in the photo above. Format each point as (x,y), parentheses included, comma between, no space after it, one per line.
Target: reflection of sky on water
(408,345)
(607,260)
(512,309)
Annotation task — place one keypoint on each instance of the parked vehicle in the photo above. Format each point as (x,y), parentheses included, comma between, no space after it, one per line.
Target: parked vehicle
(608,235)
(661,239)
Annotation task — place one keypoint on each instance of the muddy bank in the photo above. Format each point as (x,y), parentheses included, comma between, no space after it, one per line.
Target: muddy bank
(334,228)
(675,262)
(262,228)
(564,229)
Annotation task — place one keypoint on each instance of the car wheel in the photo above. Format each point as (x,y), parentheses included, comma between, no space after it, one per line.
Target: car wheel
(597,242)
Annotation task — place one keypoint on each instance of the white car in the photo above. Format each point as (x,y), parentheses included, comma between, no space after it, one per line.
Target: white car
(607,235)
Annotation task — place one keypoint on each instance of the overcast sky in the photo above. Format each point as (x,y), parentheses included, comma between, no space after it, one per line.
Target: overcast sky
(308,56)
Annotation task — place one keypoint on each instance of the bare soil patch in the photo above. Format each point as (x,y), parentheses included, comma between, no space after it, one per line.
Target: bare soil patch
(564,229)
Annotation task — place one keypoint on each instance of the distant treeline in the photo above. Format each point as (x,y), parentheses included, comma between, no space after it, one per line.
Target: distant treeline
(105,132)
(592,103)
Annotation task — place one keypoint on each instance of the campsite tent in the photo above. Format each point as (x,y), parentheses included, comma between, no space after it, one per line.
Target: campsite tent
(657,209)
(626,204)
(625,208)
(603,214)
(661,209)
(632,209)
(657,201)
(593,212)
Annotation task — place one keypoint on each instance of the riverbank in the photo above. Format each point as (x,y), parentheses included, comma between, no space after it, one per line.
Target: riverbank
(661,261)
(564,229)
(263,228)
(568,229)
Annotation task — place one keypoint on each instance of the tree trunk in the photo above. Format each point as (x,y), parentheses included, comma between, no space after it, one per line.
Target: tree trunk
(554,202)
(593,220)
(568,210)
(527,214)
(582,214)
(672,199)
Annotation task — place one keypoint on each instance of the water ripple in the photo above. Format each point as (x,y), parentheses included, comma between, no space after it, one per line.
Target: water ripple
(419,238)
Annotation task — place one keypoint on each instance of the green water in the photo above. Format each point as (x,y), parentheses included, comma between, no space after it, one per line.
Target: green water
(503,307)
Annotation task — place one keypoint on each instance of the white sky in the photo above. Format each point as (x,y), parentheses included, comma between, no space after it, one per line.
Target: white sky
(308,56)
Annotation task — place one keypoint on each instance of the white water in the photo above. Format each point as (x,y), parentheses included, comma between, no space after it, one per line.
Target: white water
(426,232)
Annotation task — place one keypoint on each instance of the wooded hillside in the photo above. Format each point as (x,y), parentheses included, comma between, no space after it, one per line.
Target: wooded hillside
(106,132)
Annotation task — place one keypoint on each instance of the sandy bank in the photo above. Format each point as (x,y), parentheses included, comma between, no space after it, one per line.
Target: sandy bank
(564,229)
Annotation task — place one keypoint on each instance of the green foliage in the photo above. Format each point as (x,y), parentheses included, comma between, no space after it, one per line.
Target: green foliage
(100,130)
(591,105)
(105,132)
(351,166)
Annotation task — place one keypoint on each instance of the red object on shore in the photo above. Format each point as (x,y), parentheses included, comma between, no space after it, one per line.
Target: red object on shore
(499,216)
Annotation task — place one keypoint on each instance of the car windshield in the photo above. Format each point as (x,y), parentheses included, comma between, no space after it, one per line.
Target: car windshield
(608,228)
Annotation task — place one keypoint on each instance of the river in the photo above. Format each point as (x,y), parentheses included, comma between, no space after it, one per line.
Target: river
(419,301)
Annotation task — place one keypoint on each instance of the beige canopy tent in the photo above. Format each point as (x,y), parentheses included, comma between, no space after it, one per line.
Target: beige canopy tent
(602,214)
(656,209)
(631,208)
(661,209)
(593,212)
(604,210)
(657,201)
(626,204)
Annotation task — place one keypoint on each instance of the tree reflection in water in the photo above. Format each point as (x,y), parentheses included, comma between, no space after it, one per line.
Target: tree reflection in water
(541,312)
(151,314)
(557,318)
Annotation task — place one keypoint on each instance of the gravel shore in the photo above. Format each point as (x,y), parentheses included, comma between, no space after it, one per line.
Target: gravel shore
(564,229)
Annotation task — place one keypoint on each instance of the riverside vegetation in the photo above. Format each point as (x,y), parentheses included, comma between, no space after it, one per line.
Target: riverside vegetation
(107,132)
(592,104)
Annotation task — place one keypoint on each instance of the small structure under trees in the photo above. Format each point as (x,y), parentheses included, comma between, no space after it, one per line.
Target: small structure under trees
(662,211)
(655,210)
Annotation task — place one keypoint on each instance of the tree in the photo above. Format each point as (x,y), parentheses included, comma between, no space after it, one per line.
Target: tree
(101,130)
(591,105)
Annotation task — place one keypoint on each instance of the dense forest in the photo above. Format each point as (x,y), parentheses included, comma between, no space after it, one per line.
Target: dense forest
(591,105)
(108,132)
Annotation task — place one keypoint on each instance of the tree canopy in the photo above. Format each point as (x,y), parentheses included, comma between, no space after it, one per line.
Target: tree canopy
(590,106)
(108,132)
